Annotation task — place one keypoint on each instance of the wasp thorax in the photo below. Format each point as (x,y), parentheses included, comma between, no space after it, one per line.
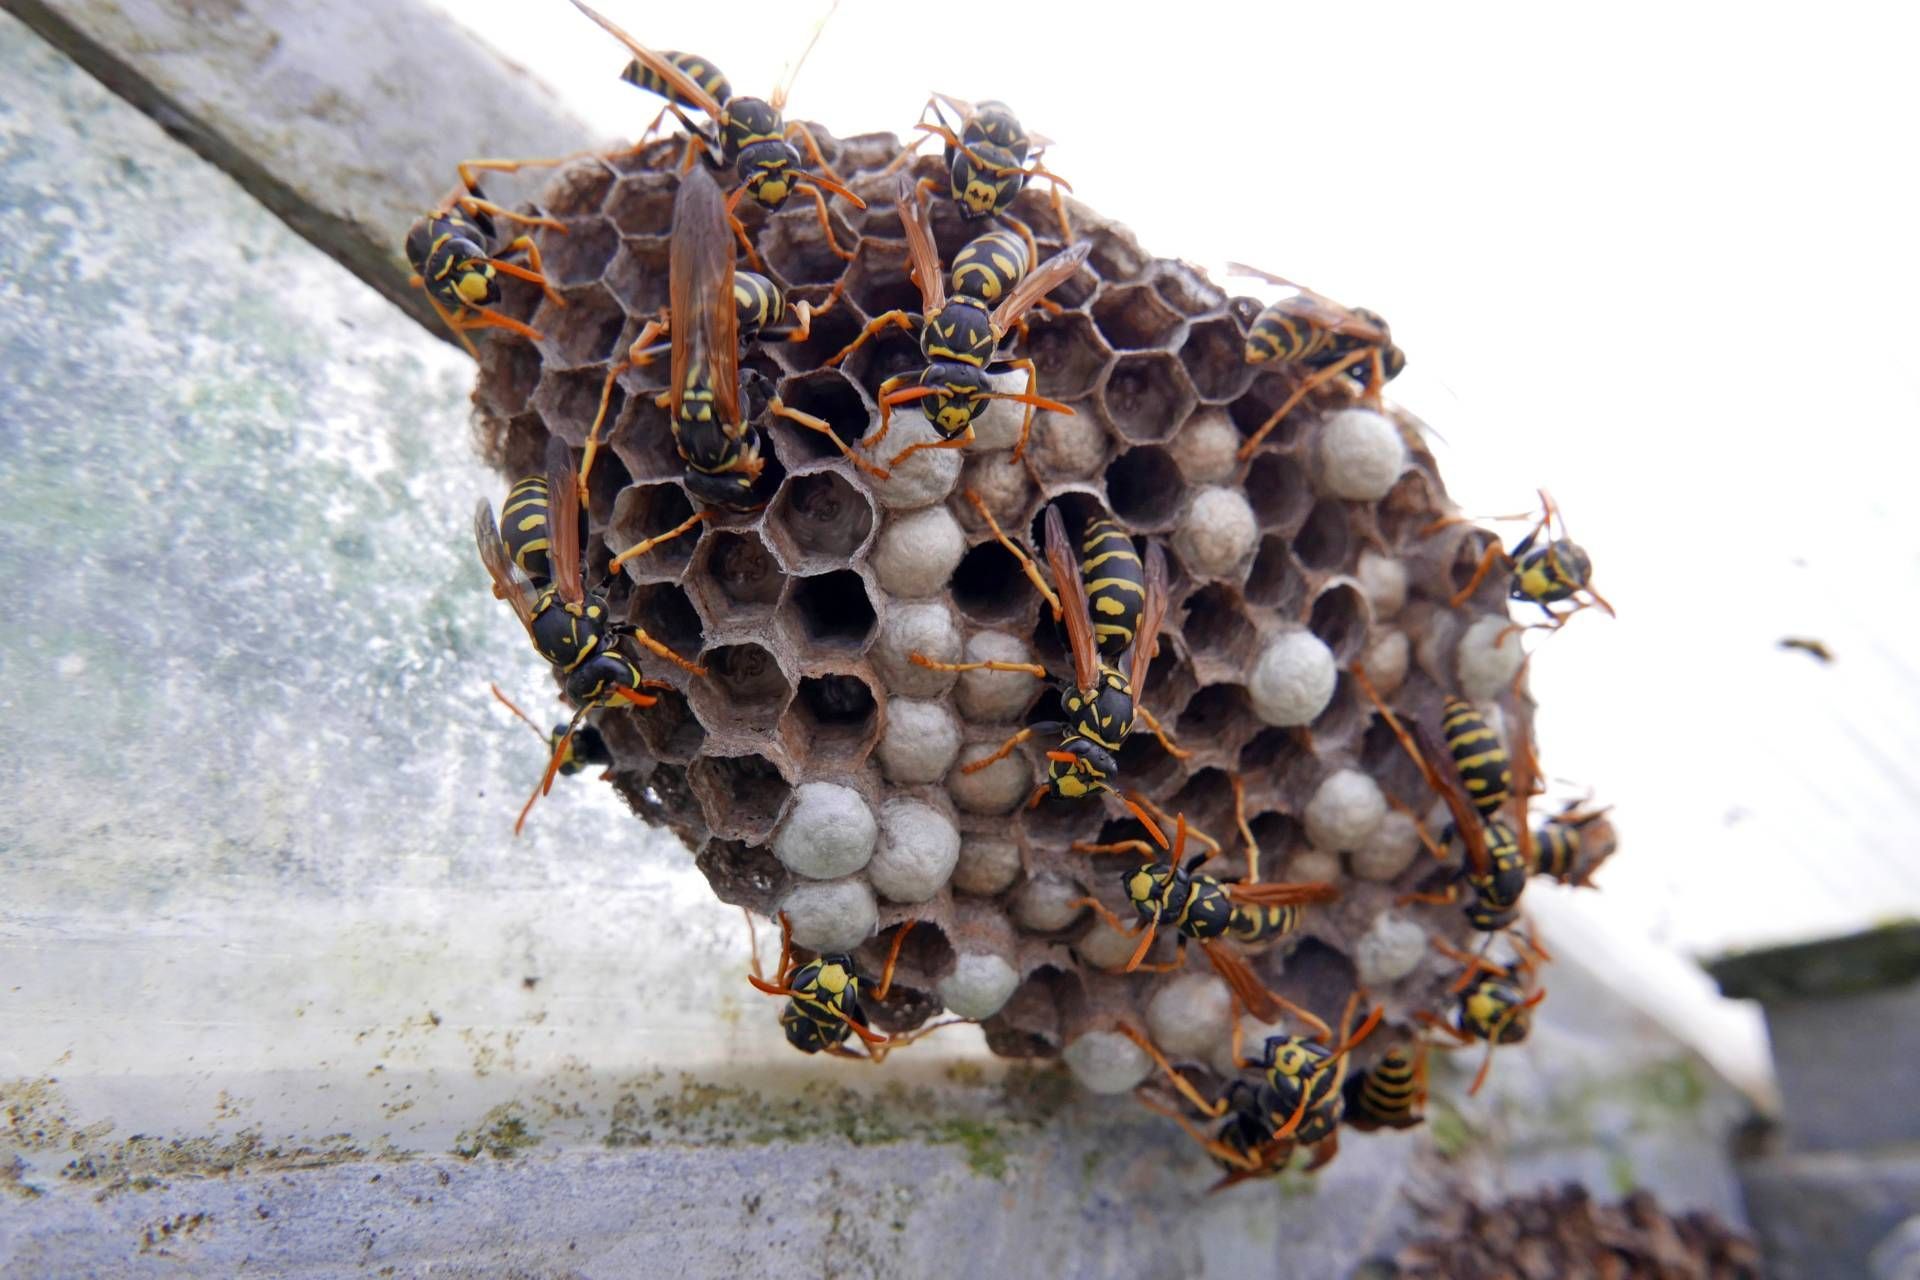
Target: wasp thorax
(566,633)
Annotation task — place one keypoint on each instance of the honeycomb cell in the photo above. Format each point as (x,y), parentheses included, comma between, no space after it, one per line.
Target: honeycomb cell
(1135,318)
(1207,800)
(1408,507)
(919,846)
(584,332)
(1147,397)
(877,280)
(1275,580)
(1279,837)
(1326,539)
(827,395)
(1067,447)
(1386,660)
(989,588)
(999,788)
(1002,484)
(1146,766)
(604,487)
(1045,903)
(865,151)
(1293,679)
(646,511)
(641,438)
(1215,357)
(826,336)
(916,553)
(1029,1024)
(1106,1062)
(921,480)
(833,721)
(642,204)
(1144,488)
(890,352)
(829,832)
(743,875)
(979,986)
(927,628)
(1217,717)
(564,395)
(735,580)
(513,370)
(1360,455)
(664,612)
(921,742)
(829,612)
(1114,256)
(1206,446)
(1216,534)
(988,865)
(996,695)
(1191,1015)
(1251,411)
(742,795)
(581,255)
(665,799)
(1218,631)
(1342,717)
(1278,489)
(577,189)
(667,727)
(1068,353)
(831,915)
(1339,618)
(820,522)
(1384,580)
(744,689)
(792,246)
(638,277)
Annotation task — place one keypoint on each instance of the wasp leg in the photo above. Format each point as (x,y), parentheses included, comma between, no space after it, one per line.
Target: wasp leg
(474,204)
(786,966)
(1154,727)
(446,318)
(1246,832)
(553,770)
(652,330)
(1324,1151)
(893,959)
(538,275)
(795,129)
(826,228)
(647,544)
(654,646)
(1140,847)
(1407,743)
(1143,932)
(1026,563)
(481,318)
(1027,668)
(821,425)
(1443,899)
(960,441)
(1218,1150)
(1307,384)
(1488,559)
(507,702)
(1006,749)
(1213,1110)
(1029,399)
(740,234)
(875,326)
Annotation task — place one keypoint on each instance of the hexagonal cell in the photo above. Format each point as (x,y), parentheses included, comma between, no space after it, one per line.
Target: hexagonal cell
(521,449)
(638,276)
(988,586)
(1207,800)
(1146,766)
(1343,714)
(793,247)
(1215,357)
(1275,580)
(1340,616)
(604,487)
(1030,1024)
(830,611)
(877,282)
(1408,508)
(742,795)
(668,727)
(833,723)
(663,799)
(743,875)
(1186,290)
(865,151)
(735,580)
(830,396)
(744,689)
(820,521)
(645,511)
(1217,627)
(659,158)
(509,371)
(1144,487)
(1251,411)
(584,332)
(666,614)
(640,436)
(568,398)
(1279,836)
(1279,756)
(1278,490)
(1147,396)
(1134,318)
(1326,539)
(1115,257)
(1170,680)
(1069,355)
(891,351)
(581,255)
(578,188)
(924,953)
(1217,716)
(642,204)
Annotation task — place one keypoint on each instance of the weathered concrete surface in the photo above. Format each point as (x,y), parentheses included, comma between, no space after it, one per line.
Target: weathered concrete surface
(1826,1215)
(282,994)
(345,119)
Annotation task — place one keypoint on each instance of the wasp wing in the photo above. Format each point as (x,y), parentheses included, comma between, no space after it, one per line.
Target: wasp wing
(1036,285)
(682,83)
(917,225)
(1073,603)
(1269,894)
(509,582)
(1153,611)
(563,522)
(1466,818)
(706,326)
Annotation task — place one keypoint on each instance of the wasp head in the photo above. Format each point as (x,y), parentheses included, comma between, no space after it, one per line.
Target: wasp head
(769,170)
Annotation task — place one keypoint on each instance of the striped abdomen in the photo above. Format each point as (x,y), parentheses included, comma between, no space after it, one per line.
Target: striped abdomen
(697,69)
(989,265)
(1556,849)
(757,301)
(1478,755)
(1388,1095)
(523,528)
(1116,585)
(1256,925)
(1279,337)
(995,124)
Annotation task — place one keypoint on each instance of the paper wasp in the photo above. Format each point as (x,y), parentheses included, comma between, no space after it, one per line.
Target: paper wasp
(1545,570)
(1321,336)
(457,257)
(960,336)
(584,749)
(824,997)
(986,160)
(750,134)
(1392,1093)
(1494,1002)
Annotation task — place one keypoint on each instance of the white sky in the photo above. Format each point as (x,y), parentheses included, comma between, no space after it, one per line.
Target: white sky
(1658,259)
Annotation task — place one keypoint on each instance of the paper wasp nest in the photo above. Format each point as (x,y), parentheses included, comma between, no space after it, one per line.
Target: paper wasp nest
(817,770)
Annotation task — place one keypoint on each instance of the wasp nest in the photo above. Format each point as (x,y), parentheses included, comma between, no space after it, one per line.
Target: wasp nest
(817,771)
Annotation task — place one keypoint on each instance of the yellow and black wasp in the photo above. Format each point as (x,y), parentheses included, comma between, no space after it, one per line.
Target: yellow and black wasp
(1199,907)
(585,749)
(1498,859)
(1297,1101)
(751,135)
(989,158)
(570,627)
(1322,337)
(1258,924)
(960,336)
(457,257)
(1570,845)
(1494,1003)
(1546,570)
(1392,1093)
(1101,704)
(824,997)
